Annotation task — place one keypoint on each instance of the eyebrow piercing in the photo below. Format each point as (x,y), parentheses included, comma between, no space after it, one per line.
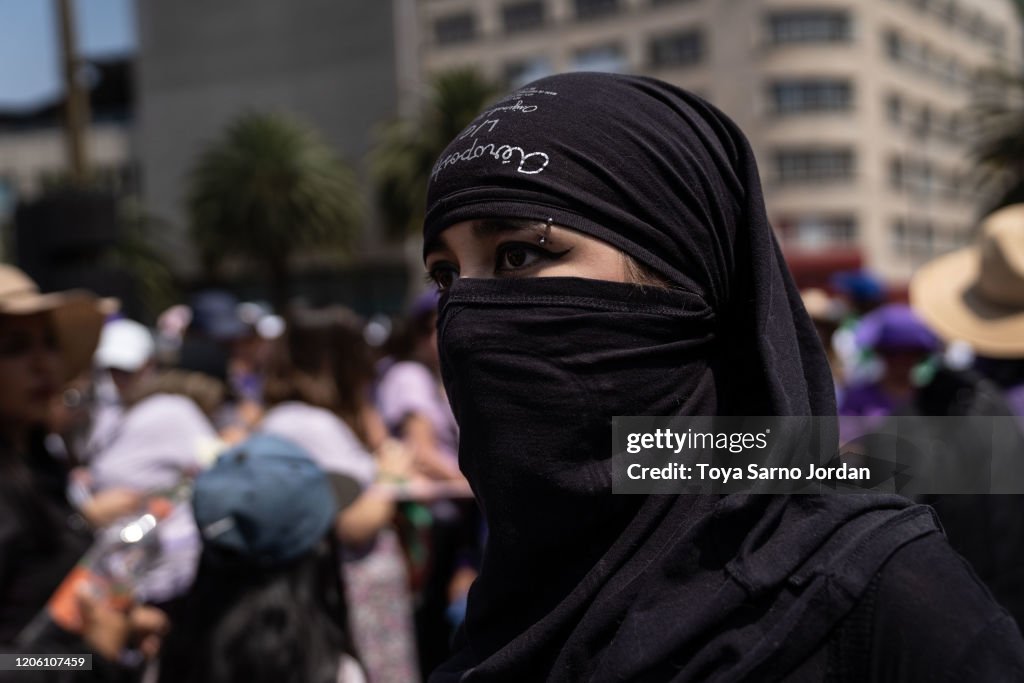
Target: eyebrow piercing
(547,232)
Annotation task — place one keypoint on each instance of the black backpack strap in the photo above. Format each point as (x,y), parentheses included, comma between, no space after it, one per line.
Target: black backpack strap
(849,652)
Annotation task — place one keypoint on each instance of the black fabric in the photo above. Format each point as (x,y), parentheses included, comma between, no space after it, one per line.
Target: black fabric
(988,530)
(578,584)
(932,619)
(929,633)
(670,180)
(41,537)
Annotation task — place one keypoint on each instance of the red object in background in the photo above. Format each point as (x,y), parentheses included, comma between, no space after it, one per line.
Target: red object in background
(110,578)
(814,268)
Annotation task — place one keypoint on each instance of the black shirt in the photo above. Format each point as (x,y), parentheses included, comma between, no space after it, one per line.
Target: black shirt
(925,617)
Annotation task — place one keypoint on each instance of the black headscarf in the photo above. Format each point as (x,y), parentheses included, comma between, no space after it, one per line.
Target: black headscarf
(578,584)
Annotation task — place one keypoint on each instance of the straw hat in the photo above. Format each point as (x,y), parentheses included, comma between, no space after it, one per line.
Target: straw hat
(77,316)
(977,294)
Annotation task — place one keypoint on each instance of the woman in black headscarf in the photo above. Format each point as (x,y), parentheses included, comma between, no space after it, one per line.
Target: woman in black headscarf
(603,248)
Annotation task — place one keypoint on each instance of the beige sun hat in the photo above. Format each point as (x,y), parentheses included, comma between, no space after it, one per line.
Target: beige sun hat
(77,315)
(976,294)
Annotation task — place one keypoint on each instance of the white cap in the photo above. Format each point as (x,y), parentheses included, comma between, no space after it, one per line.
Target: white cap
(270,327)
(124,345)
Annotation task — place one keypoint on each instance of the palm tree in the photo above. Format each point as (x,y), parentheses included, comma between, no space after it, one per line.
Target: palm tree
(266,190)
(140,251)
(407,148)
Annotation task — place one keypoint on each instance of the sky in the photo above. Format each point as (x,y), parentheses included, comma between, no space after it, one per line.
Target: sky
(29,48)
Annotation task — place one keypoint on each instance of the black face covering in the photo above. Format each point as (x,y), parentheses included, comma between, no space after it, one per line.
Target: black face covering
(577,583)
(534,369)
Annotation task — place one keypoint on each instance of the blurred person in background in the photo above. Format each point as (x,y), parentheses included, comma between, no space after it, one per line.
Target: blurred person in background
(45,341)
(827,313)
(124,357)
(159,430)
(895,336)
(317,393)
(410,395)
(171,325)
(267,605)
(71,420)
(152,439)
(214,333)
(859,292)
(251,353)
(975,297)
(442,537)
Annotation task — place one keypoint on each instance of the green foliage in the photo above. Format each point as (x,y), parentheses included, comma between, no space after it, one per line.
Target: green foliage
(268,188)
(406,149)
(140,252)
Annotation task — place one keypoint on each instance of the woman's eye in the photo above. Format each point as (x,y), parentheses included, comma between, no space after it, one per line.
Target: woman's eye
(442,276)
(12,345)
(516,256)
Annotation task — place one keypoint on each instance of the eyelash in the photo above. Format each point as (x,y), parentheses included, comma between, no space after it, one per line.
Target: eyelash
(433,277)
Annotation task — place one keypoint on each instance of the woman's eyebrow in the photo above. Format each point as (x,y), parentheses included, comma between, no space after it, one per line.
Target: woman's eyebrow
(488,227)
(436,244)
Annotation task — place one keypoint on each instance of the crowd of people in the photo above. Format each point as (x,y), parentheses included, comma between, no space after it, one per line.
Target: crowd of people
(951,352)
(240,494)
(102,416)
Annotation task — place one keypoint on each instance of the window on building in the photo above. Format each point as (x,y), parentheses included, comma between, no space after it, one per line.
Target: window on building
(809,26)
(997,37)
(677,49)
(895,47)
(953,127)
(523,16)
(925,179)
(894,109)
(813,232)
(947,11)
(898,233)
(913,237)
(814,165)
(950,184)
(610,57)
(922,56)
(914,176)
(523,71)
(896,175)
(591,9)
(455,28)
(974,24)
(798,96)
(924,125)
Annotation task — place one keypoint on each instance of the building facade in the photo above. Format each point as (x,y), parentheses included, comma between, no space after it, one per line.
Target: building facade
(857,111)
(331,65)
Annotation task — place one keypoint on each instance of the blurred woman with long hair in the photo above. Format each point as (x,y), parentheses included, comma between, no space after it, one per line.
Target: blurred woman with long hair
(267,605)
(317,394)
(45,341)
